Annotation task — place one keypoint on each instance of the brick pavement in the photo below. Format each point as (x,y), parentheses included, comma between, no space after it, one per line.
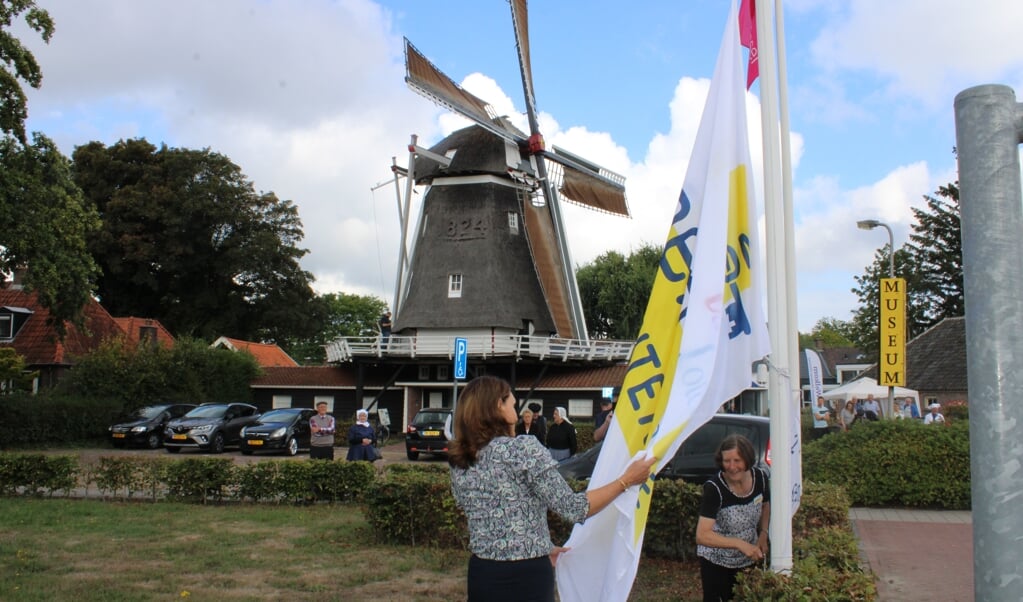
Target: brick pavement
(917,555)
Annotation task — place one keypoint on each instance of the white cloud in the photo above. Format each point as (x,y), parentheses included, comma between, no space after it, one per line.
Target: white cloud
(308,99)
(927,50)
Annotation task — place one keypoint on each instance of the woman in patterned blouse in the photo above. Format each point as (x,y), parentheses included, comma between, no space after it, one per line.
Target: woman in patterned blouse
(734,514)
(505,485)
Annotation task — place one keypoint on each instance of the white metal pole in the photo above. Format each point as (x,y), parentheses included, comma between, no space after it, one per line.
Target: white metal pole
(779,386)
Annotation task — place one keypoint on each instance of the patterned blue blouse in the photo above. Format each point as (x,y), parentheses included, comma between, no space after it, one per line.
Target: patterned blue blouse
(506,494)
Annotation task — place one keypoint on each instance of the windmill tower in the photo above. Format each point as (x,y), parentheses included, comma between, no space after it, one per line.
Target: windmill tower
(490,252)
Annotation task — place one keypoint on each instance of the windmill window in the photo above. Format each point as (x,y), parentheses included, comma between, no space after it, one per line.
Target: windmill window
(454,286)
(513,222)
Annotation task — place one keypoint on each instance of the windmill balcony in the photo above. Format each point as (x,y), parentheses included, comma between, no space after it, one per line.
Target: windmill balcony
(480,347)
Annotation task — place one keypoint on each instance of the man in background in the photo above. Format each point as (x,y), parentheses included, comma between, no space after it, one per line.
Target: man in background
(603,420)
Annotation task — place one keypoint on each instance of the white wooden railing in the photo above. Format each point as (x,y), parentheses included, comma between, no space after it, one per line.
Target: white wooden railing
(480,347)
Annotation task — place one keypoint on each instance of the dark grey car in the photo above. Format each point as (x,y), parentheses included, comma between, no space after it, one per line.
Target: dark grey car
(694,460)
(428,433)
(210,427)
(144,426)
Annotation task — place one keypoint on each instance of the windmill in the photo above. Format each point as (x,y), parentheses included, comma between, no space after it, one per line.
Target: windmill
(490,251)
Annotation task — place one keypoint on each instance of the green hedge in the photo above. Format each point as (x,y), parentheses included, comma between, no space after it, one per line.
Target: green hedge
(895,462)
(37,474)
(49,419)
(412,505)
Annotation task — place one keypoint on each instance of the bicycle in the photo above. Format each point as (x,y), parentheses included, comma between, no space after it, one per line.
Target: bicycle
(383,433)
(382,428)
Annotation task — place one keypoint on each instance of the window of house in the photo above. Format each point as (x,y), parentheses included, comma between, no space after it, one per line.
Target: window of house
(580,407)
(6,326)
(328,398)
(513,222)
(454,285)
(442,372)
(424,373)
(281,401)
(367,401)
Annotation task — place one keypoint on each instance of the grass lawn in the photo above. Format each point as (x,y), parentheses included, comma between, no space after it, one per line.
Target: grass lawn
(90,550)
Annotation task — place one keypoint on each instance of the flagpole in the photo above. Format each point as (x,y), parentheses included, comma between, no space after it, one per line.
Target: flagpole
(783,371)
(790,228)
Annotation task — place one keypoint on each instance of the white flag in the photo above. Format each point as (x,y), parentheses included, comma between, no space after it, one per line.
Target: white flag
(703,329)
(813,370)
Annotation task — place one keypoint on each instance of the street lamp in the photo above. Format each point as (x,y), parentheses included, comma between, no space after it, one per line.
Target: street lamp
(870,224)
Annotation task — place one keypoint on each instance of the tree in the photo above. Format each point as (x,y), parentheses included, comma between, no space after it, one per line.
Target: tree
(932,267)
(14,375)
(44,226)
(19,64)
(615,290)
(831,332)
(341,315)
(188,372)
(937,249)
(187,240)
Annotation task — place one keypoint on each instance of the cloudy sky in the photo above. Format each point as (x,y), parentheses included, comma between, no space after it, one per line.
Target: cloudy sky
(308,98)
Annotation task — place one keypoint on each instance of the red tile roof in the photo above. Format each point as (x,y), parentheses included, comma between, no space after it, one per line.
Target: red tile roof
(37,341)
(267,355)
(132,325)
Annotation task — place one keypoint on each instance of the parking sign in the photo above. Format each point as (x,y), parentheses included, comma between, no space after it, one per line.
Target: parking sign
(461,352)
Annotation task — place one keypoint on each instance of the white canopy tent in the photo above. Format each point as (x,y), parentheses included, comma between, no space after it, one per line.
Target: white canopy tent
(861,387)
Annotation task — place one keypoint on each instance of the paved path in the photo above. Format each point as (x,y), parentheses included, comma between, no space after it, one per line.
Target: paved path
(917,555)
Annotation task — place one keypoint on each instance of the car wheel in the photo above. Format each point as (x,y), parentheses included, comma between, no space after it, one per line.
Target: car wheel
(217,444)
(412,455)
(173,450)
(153,441)
(291,448)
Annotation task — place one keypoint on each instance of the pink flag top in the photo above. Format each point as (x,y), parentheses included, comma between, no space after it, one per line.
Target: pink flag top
(748,38)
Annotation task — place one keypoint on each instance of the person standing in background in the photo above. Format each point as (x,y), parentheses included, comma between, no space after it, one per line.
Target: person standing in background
(603,420)
(530,426)
(561,439)
(322,426)
(821,415)
(361,439)
(385,328)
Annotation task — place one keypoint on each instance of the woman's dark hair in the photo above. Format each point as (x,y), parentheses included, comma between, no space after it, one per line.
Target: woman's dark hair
(478,419)
(740,444)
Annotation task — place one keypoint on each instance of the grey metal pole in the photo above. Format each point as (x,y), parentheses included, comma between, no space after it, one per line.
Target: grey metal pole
(989,130)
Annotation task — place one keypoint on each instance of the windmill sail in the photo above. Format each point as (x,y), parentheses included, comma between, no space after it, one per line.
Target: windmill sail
(422,76)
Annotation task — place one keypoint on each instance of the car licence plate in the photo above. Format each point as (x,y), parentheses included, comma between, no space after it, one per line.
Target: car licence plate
(179,437)
(118,435)
(255,442)
(431,433)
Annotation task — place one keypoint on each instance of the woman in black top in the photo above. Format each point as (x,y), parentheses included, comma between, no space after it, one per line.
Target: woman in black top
(561,438)
(734,515)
